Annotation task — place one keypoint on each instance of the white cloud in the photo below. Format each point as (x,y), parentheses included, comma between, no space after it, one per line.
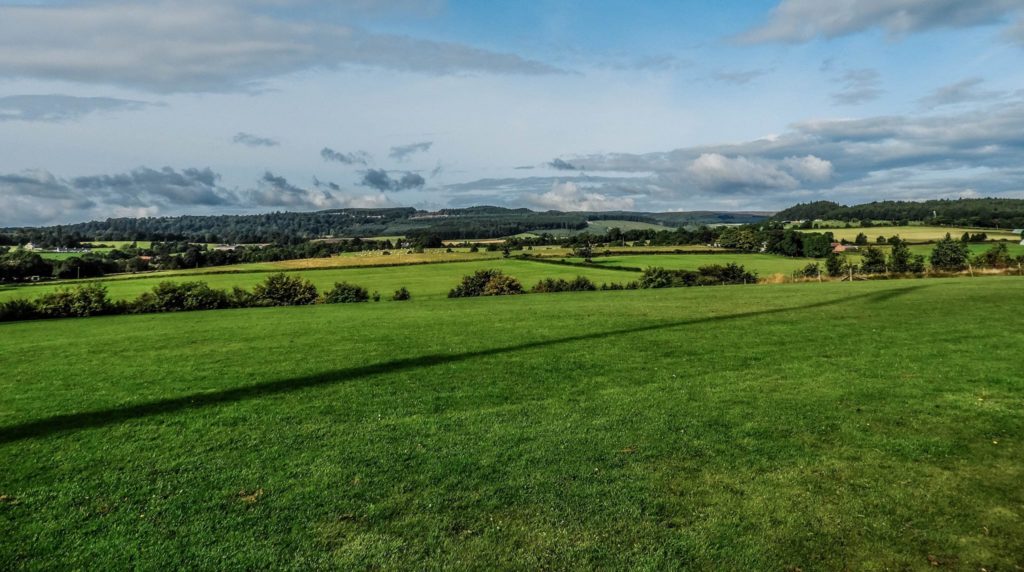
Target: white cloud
(805,20)
(570,197)
(809,168)
(716,172)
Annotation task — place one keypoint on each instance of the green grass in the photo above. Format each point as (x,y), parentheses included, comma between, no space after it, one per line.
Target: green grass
(422,280)
(763,264)
(864,426)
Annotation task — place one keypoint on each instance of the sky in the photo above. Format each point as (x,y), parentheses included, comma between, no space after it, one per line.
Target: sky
(168,107)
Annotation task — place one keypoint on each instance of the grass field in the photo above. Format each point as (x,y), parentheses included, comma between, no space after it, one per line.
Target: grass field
(864,426)
(763,264)
(422,280)
(915,233)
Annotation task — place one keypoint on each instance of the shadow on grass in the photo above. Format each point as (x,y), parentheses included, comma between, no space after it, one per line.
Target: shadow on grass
(92,419)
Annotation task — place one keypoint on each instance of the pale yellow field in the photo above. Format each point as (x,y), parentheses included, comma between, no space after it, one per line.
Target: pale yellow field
(915,233)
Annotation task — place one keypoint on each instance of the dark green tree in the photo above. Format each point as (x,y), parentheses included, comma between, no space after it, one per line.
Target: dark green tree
(872,261)
(949,255)
(899,256)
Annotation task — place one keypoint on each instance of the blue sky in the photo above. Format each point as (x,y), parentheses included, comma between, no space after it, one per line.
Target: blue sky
(111,108)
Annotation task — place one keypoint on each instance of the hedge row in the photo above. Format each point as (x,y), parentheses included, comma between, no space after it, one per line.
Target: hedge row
(92,299)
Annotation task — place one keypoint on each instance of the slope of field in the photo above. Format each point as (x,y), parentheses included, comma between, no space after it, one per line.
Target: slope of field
(422,280)
(763,264)
(826,426)
(915,233)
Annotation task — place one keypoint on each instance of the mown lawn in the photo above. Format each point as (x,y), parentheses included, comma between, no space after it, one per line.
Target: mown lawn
(422,280)
(864,426)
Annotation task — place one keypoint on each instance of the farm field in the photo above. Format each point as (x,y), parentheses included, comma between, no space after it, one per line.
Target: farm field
(422,280)
(701,428)
(762,264)
(915,233)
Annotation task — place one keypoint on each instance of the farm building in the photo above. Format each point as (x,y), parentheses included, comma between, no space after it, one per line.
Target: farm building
(838,247)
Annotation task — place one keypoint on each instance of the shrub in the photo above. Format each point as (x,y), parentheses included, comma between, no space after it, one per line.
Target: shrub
(375,296)
(179,297)
(283,290)
(812,270)
(656,277)
(80,301)
(502,285)
(729,274)
(486,283)
(578,284)
(712,275)
(401,294)
(13,310)
(996,257)
(345,293)
(473,284)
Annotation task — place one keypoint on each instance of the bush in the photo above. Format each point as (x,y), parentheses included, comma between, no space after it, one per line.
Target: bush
(578,284)
(80,301)
(502,285)
(729,274)
(345,293)
(13,310)
(180,297)
(283,290)
(996,257)
(712,275)
(812,270)
(473,284)
(486,283)
(401,294)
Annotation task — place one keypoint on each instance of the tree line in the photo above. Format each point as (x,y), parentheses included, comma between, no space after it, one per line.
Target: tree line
(988,213)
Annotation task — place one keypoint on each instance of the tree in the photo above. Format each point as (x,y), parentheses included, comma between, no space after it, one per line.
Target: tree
(835,264)
(817,245)
(584,251)
(861,240)
(949,255)
(899,256)
(872,261)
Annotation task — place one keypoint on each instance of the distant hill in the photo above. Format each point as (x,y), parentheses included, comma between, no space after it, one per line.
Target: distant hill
(987,213)
(284,227)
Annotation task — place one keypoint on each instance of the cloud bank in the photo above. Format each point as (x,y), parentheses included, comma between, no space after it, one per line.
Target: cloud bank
(174,46)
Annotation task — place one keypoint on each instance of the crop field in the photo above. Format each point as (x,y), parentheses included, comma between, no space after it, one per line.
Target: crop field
(915,233)
(762,264)
(802,426)
(422,280)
